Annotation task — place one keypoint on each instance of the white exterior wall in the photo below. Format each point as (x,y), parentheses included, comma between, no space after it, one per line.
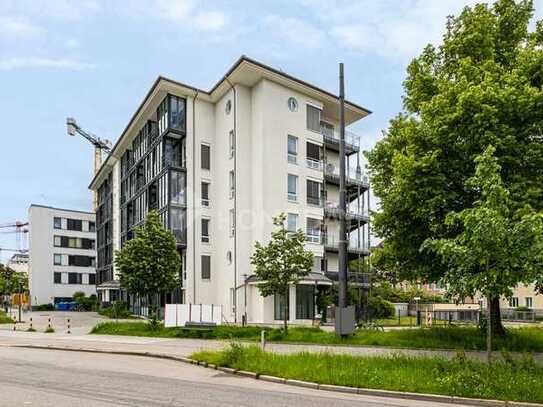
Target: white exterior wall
(43,290)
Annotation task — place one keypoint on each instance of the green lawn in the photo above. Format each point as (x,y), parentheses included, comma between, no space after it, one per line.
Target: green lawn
(466,338)
(409,321)
(510,380)
(4,318)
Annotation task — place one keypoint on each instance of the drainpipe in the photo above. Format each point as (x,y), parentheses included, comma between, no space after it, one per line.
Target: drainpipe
(235,204)
(194,197)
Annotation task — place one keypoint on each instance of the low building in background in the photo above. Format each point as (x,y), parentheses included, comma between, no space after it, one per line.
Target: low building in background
(19,263)
(62,254)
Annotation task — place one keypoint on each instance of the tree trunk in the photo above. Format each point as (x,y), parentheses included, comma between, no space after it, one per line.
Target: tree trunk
(498,329)
(285,311)
(489,319)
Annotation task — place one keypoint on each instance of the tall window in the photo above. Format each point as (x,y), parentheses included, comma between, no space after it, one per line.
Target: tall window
(178,224)
(232,183)
(305,302)
(205,193)
(57,223)
(205,230)
(57,259)
(206,157)
(279,307)
(292,222)
(528,302)
(313,193)
(513,302)
(292,145)
(206,267)
(232,143)
(177,187)
(174,152)
(313,118)
(57,278)
(313,156)
(177,113)
(292,187)
(92,227)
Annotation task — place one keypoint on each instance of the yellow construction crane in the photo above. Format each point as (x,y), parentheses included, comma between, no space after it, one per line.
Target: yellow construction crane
(99,146)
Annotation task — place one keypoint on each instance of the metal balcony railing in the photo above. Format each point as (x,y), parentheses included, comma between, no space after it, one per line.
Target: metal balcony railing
(332,242)
(351,175)
(332,209)
(314,164)
(331,136)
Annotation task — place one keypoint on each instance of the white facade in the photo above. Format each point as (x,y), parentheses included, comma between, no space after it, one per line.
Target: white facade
(246,120)
(62,254)
(19,263)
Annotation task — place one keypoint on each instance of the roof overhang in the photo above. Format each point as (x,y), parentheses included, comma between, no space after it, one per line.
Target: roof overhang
(246,72)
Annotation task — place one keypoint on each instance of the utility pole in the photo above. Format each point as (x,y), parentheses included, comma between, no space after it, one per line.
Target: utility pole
(345,318)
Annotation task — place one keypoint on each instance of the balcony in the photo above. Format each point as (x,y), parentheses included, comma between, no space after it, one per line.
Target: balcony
(331,244)
(331,139)
(332,211)
(314,164)
(352,177)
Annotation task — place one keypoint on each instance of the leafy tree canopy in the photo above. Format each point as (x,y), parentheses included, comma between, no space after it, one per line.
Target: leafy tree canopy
(482,86)
(149,263)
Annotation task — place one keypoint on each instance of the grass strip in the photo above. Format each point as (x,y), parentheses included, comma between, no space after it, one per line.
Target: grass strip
(512,379)
(4,318)
(459,338)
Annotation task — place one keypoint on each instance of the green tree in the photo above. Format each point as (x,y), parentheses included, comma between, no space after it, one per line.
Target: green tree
(496,248)
(149,264)
(483,85)
(12,282)
(282,262)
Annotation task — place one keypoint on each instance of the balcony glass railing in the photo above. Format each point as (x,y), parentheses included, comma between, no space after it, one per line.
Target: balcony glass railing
(352,210)
(314,164)
(351,174)
(330,135)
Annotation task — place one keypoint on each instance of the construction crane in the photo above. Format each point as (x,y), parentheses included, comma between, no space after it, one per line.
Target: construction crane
(99,147)
(20,230)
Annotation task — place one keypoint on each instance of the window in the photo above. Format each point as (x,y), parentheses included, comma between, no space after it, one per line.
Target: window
(206,267)
(57,278)
(81,261)
(279,302)
(313,230)
(92,227)
(177,190)
(513,302)
(92,279)
(313,118)
(57,223)
(292,104)
(75,224)
(206,157)
(232,183)
(174,152)
(74,278)
(232,222)
(292,222)
(313,156)
(305,302)
(313,193)
(229,257)
(178,224)
(292,187)
(205,230)
(232,143)
(205,193)
(177,113)
(57,241)
(57,259)
(292,145)
(528,302)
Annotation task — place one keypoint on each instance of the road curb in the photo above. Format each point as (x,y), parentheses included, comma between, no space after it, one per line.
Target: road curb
(436,398)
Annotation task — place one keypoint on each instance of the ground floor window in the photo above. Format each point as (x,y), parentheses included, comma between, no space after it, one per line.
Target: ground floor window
(279,307)
(305,302)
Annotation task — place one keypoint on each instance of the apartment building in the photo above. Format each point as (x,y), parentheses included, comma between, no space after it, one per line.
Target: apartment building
(18,263)
(62,254)
(218,165)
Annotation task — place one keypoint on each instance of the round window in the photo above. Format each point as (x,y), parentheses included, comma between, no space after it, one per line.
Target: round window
(292,104)
(228,107)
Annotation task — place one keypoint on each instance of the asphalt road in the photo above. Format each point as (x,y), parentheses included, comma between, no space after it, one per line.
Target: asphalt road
(31,377)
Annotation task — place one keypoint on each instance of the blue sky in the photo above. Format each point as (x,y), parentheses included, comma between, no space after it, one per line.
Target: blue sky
(95,60)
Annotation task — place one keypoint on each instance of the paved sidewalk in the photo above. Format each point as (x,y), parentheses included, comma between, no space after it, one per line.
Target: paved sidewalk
(185,347)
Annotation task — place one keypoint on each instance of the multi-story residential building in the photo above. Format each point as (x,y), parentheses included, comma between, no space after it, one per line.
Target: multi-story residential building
(62,253)
(218,165)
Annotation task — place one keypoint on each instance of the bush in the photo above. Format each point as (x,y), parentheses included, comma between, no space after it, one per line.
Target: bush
(44,307)
(380,308)
(118,310)
(86,303)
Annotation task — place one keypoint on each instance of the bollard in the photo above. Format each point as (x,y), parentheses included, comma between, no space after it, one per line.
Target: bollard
(68,326)
(49,323)
(14,324)
(31,328)
(263,339)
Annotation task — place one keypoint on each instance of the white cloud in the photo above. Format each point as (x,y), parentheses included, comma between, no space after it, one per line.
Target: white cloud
(48,63)
(210,20)
(16,27)
(66,10)
(295,30)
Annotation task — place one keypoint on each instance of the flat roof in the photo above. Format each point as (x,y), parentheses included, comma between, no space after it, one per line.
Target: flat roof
(216,92)
(61,209)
